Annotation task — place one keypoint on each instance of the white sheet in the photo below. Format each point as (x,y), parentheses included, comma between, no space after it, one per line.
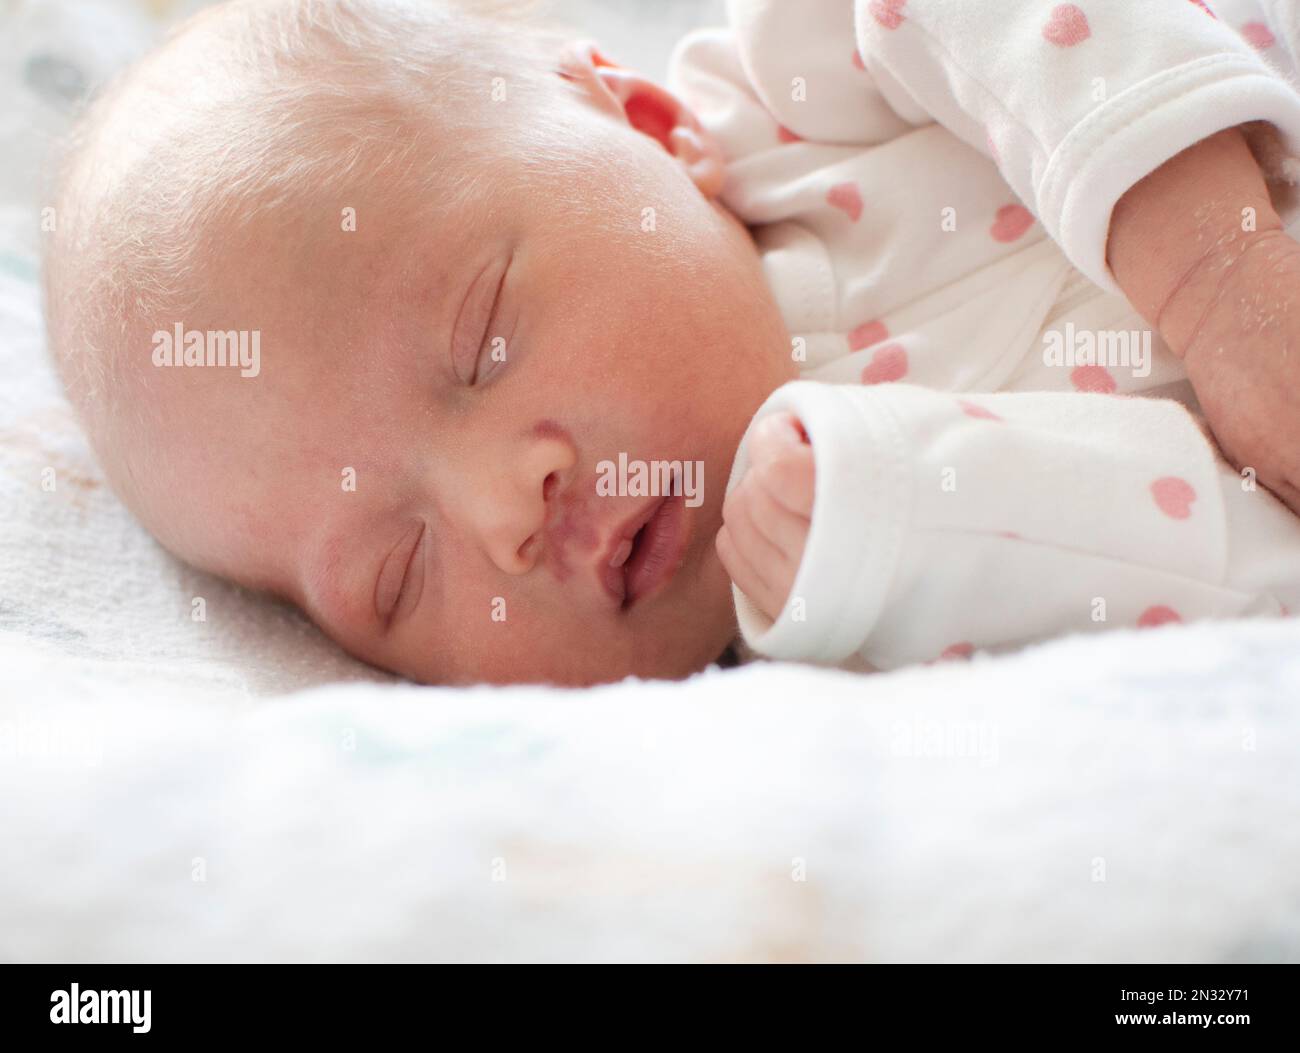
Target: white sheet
(1127,799)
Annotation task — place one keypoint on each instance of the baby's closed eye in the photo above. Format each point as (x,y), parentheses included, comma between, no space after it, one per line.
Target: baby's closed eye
(400,583)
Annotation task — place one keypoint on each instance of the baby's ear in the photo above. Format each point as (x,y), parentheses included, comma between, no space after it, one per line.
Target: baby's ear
(650,109)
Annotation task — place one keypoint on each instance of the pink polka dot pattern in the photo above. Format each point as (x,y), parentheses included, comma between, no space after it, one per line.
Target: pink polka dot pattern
(889,13)
(847,198)
(887,365)
(972,409)
(1067,26)
(1153,616)
(1174,496)
(1094,379)
(1258,36)
(867,334)
(1011,223)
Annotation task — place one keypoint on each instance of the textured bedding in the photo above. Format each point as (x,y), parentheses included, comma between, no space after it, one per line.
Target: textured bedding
(235,788)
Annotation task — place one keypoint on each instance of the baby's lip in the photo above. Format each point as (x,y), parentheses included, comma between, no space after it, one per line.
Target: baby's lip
(611,564)
(660,548)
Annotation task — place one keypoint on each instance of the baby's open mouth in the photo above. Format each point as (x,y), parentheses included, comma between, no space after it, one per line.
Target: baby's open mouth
(644,561)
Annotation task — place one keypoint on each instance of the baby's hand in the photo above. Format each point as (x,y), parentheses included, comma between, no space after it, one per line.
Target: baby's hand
(765,519)
(1244,362)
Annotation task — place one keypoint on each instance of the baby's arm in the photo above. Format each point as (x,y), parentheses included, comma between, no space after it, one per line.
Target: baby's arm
(1199,250)
(941,524)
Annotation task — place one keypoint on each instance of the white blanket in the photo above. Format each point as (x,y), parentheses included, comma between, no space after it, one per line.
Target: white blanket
(1130,798)
(237,789)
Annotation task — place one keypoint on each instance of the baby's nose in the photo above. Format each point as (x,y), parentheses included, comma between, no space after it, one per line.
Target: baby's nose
(521,494)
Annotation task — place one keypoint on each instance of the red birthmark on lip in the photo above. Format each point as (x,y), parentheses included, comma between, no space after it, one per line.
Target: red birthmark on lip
(569,524)
(957,651)
(1174,496)
(1067,26)
(1011,223)
(847,198)
(786,136)
(887,365)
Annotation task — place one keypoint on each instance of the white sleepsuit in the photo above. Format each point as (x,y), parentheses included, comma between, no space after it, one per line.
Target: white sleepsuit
(929,184)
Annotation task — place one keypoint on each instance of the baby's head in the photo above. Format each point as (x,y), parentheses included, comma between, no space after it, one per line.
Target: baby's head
(471,287)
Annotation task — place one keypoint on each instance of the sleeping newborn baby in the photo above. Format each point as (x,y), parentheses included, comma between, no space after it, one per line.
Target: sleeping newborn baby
(457,335)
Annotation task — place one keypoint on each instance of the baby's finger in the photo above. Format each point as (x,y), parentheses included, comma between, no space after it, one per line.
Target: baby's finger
(741,511)
(742,573)
(783,462)
(785,529)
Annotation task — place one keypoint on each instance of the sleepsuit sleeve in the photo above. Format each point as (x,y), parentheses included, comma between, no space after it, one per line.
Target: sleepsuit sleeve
(944,524)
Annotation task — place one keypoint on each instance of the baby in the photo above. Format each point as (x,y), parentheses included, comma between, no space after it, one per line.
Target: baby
(456,334)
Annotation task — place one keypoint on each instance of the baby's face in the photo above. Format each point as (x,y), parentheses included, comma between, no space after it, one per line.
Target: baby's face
(424,461)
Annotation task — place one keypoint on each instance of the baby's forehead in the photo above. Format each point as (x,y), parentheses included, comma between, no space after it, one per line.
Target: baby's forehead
(263,147)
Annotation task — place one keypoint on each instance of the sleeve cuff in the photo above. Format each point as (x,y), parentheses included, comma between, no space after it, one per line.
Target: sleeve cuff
(1125,140)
